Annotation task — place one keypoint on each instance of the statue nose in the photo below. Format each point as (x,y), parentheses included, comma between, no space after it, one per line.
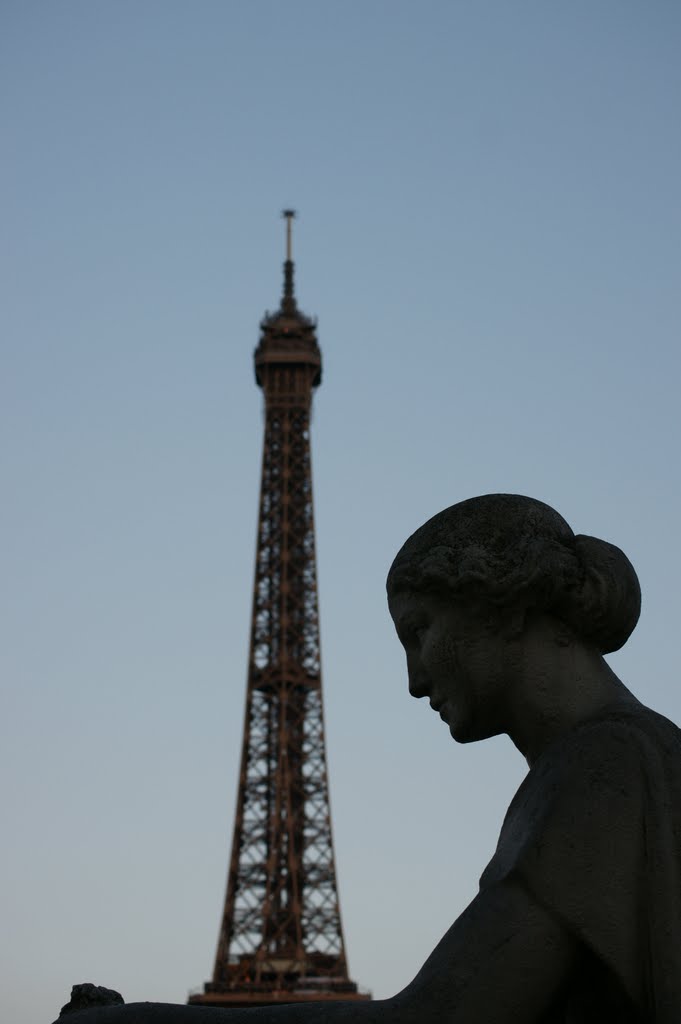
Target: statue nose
(418,685)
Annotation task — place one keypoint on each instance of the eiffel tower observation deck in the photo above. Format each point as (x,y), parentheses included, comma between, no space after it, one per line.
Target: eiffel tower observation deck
(281,938)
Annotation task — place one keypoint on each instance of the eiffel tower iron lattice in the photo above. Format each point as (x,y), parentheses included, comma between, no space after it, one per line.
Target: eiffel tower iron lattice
(281,938)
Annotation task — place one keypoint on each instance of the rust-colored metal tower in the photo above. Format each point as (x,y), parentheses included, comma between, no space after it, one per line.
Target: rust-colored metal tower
(281,939)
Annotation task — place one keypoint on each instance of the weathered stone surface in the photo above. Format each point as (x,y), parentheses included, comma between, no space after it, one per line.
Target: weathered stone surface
(86,995)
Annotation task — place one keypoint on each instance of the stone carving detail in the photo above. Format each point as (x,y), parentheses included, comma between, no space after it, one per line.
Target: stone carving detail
(87,995)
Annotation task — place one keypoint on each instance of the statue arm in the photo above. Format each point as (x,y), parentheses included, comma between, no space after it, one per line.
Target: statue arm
(503,961)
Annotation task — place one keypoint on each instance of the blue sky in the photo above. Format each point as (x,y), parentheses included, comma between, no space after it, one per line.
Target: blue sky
(489,235)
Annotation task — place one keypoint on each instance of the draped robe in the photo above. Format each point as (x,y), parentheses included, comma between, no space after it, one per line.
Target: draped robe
(594,835)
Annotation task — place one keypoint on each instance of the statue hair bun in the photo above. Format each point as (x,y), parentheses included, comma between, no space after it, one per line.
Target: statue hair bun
(608,604)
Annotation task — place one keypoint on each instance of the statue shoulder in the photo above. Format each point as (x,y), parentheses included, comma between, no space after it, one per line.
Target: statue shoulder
(605,774)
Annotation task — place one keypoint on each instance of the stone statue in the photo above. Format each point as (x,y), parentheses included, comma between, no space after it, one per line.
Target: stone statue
(505,616)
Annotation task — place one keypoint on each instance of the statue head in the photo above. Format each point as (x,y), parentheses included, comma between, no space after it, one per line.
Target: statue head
(489,561)
(501,550)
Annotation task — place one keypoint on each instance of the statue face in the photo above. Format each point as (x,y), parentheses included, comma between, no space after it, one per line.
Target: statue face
(456,659)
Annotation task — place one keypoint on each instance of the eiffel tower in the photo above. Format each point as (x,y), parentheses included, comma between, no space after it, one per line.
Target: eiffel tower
(281,939)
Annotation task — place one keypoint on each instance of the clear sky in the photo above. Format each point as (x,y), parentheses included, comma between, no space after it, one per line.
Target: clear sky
(489,235)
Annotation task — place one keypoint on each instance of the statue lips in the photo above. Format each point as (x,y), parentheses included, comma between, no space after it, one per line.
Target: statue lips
(438,707)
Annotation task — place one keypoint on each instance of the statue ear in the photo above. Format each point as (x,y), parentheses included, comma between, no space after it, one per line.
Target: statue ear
(562,634)
(517,621)
(509,623)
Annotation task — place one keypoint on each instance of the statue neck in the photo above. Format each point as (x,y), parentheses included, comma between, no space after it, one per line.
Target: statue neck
(561,682)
